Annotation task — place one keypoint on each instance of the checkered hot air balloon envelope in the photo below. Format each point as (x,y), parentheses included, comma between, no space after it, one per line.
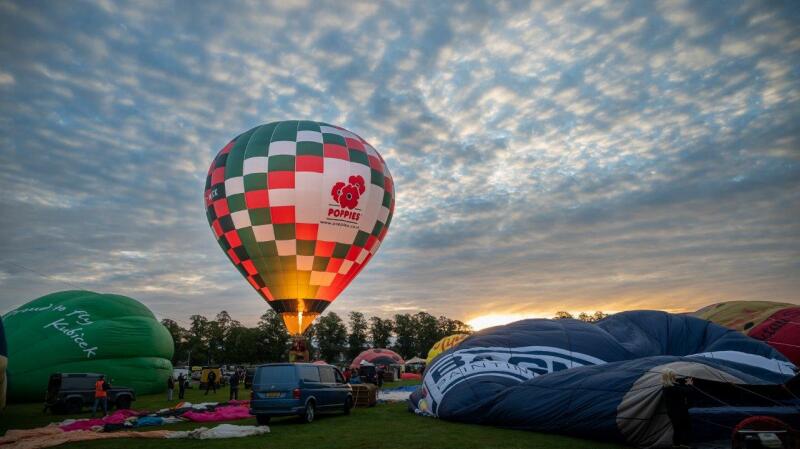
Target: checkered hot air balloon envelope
(299,207)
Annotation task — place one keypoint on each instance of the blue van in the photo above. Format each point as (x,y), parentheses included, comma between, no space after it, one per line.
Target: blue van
(302,389)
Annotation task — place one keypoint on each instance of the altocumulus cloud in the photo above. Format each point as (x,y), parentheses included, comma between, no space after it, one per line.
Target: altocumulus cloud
(578,156)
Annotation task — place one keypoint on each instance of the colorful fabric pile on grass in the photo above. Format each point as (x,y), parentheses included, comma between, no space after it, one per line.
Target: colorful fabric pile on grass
(52,435)
(117,418)
(120,424)
(227,413)
(219,432)
(398,394)
(183,411)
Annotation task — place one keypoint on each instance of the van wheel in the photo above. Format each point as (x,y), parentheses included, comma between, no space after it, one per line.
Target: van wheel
(262,420)
(123,403)
(73,406)
(348,404)
(308,414)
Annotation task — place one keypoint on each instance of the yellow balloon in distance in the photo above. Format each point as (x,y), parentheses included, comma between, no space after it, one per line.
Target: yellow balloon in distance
(443,345)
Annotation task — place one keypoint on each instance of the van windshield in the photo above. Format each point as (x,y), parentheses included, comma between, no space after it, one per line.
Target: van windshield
(282,374)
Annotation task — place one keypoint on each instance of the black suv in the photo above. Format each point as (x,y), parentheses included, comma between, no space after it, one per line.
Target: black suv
(69,393)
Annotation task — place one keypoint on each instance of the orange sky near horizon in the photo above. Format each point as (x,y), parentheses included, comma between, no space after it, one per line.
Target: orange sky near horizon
(486,319)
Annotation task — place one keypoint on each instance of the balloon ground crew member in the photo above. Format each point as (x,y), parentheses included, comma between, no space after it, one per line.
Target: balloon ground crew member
(101,388)
(234,381)
(677,395)
(211,382)
(181,386)
(170,387)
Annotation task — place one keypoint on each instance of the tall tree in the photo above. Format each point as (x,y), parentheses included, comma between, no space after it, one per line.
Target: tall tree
(197,340)
(380,332)
(446,326)
(561,315)
(242,345)
(405,329)
(592,318)
(226,322)
(219,332)
(357,339)
(331,337)
(461,327)
(273,338)
(216,341)
(312,343)
(427,333)
(178,339)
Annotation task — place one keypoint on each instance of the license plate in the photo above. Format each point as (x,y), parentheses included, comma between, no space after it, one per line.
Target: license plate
(274,394)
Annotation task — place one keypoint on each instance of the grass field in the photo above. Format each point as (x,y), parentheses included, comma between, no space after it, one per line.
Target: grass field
(384,426)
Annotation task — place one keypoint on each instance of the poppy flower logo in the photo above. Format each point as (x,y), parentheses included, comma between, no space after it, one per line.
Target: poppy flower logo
(347,195)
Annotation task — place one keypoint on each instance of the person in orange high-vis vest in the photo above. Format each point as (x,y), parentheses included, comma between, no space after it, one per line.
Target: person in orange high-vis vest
(100,395)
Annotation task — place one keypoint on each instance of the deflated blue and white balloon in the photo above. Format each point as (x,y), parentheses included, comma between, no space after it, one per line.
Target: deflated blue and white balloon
(604,380)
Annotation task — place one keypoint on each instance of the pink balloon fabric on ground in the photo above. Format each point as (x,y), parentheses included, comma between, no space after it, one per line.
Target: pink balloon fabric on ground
(227,413)
(117,417)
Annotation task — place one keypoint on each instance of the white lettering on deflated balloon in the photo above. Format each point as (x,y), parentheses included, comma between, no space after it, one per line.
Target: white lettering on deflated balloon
(516,364)
(75,334)
(58,308)
(83,317)
(72,328)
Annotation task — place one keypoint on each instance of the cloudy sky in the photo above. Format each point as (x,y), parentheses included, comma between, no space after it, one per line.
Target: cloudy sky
(562,156)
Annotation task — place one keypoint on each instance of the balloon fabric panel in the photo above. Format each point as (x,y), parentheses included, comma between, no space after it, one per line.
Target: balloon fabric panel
(776,323)
(740,315)
(781,331)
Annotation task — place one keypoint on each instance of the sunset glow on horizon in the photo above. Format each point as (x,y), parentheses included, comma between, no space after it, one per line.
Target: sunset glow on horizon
(494,319)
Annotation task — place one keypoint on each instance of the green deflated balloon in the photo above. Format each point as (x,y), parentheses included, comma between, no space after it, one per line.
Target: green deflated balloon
(79,331)
(3,365)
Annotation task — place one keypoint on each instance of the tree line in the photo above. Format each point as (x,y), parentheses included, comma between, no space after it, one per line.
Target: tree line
(583,316)
(225,340)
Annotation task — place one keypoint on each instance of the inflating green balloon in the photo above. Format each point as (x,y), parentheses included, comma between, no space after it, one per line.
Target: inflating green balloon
(85,332)
(3,365)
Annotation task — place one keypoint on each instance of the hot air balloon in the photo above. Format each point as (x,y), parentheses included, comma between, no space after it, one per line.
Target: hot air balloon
(776,323)
(378,356)
(79,331)
(3,365)
(299,207)
(606,380)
